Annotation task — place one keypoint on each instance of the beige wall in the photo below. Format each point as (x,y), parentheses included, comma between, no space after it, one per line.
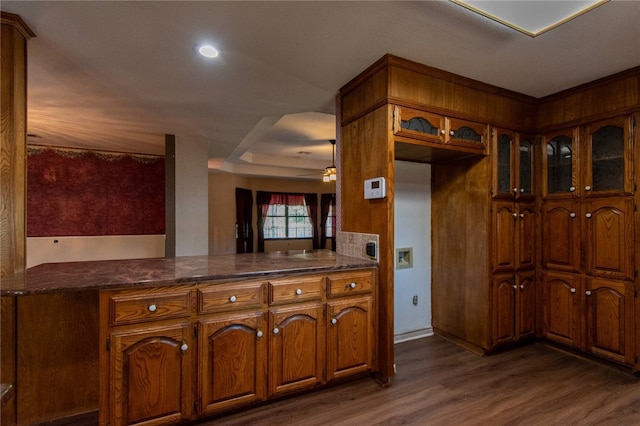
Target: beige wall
(222,208)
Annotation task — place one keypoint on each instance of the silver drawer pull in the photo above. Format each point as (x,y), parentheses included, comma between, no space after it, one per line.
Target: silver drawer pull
(152,308)
(232,299)
(298,292)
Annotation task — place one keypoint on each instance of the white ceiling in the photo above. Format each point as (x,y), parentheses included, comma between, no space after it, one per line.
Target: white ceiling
(119,75)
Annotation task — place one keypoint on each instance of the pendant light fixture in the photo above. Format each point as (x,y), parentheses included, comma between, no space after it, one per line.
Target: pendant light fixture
(330,173)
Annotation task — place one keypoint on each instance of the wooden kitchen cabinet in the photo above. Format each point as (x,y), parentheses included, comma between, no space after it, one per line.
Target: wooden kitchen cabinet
(609,313)
(513,165)
(561,306)
(189,351)
(513,307)
(152,375)
(232,354)
(297,348)
(609,237)
(513,236)
(438,129)
(561,235)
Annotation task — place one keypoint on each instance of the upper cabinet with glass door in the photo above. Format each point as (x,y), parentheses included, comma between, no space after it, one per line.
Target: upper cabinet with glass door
(607,158)
(560,164)
(513,165)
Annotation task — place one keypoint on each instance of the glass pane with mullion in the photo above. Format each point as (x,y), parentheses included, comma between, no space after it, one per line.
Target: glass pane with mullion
(504,164)
(607,158)
(526,171)
(559,164)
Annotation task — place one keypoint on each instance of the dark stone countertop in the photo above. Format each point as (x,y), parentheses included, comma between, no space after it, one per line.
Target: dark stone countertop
(114,274)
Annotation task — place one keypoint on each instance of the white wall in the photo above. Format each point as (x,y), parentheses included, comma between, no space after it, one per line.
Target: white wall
(109,247)
(191,197)
(412,229)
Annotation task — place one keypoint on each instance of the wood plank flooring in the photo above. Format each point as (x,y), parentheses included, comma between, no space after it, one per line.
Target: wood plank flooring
(438,383)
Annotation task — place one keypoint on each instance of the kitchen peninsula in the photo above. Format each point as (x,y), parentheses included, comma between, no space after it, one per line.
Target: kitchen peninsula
(173,339)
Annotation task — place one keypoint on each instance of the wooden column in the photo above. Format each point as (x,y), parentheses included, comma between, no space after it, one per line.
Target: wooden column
(13,149)
(13,138)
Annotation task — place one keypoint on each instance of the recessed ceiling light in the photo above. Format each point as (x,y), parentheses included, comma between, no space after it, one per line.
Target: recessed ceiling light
(208,51)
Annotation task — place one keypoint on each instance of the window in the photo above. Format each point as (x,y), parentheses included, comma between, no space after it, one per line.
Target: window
(287,221)
(331,222)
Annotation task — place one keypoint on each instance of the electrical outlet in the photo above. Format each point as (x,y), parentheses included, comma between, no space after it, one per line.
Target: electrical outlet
(415,300)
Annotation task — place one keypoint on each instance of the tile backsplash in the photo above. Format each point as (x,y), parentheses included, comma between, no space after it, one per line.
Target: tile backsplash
(354,244)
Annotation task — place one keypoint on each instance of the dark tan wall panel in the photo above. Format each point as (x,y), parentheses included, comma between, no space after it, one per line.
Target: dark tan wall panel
(610,96)
(364,93)
(454,95)
(460,207)
(57,355)
(366,150)
(13,149)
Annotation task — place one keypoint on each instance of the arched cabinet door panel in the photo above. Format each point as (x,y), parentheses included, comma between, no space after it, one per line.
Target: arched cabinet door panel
(152,374)
(561,235)
(561,307)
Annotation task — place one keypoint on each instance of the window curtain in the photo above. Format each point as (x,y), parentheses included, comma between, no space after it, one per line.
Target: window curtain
(263,200)
(244,213)
(311,200)
(326,201)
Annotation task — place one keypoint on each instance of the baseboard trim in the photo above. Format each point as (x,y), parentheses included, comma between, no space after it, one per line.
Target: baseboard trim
(413,335)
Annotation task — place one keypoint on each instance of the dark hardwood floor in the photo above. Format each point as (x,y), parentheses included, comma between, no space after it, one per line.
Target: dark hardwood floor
(438,383)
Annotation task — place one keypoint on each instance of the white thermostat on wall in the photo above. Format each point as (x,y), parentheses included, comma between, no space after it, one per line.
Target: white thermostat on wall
(375,188)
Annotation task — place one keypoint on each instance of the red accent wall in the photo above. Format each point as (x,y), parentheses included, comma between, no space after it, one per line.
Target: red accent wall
(73,192)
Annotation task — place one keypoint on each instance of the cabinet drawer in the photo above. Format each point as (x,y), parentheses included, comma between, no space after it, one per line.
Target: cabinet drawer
(149,305)
(350,283)
(296,290)
(228,297)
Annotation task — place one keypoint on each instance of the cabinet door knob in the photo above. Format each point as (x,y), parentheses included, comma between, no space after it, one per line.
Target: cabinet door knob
(515,189)
(573,290)
(514,214)
(588,215)
(232,299)
(442,132)
(276,330)
(572,215)
(152,308)
(588,292)
(515,287)
(184,347)
(298,292)
(587,188)
(521,215)
(572,188)
(451,132)
(521,286)
(521,189)
(334,321)
(259,334)
(352,285)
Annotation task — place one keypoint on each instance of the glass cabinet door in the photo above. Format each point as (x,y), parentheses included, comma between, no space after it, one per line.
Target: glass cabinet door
(504,178)
(559,163)
(607,163)
(525,166)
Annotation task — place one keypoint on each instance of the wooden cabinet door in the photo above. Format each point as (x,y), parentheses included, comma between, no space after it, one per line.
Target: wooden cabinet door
(561,235)
(525,237)
(525,305)
(609,234)
(561,302)
(503,256)
(503,309)
(152,375)
(610,319)
(467,134)
(232,361)
(349,337)
(297,348)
